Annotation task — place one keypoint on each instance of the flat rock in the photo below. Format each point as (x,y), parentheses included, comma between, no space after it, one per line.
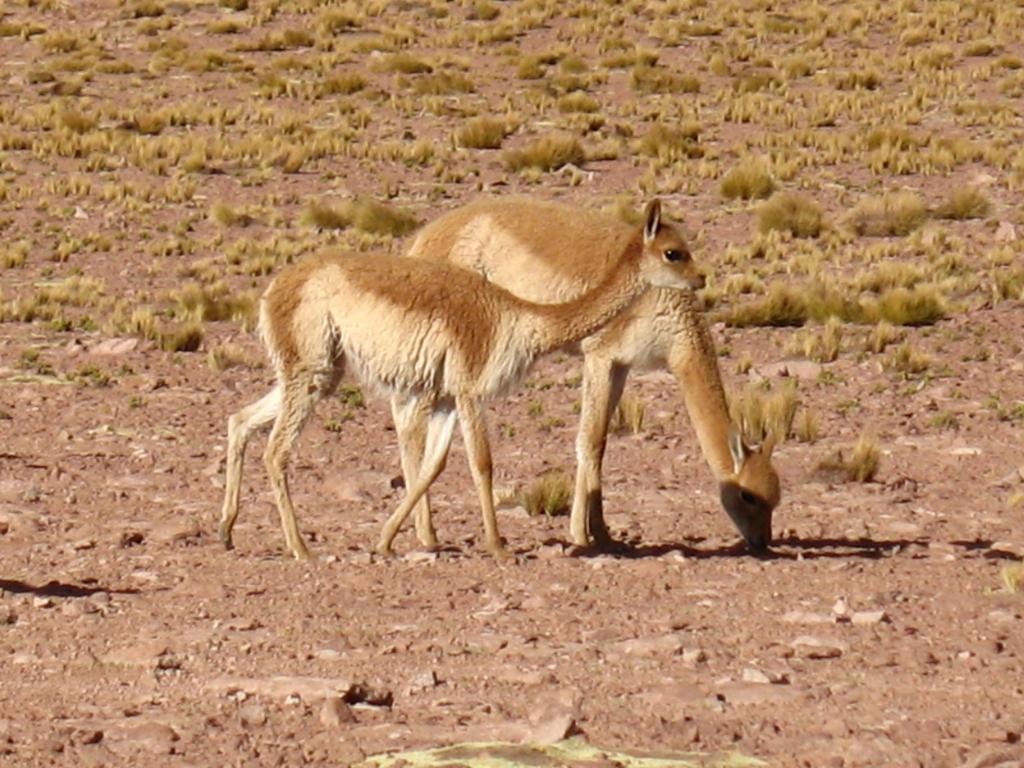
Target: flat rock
(809,647)
(653,645)
(309,689)
(746,693)
(146,654)
(807,617)
(334,712)
(111,347)
(868,618)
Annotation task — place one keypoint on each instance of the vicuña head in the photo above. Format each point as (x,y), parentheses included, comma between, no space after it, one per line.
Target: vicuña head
(752,492)
(675,261)
(421,330)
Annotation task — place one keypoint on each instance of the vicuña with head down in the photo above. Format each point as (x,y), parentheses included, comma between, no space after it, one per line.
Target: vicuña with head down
(548,252)
(432,334)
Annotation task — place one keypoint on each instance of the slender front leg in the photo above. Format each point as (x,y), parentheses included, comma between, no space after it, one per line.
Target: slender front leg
(411,415)
(603,382)
(300,395)
(241,426)
(478,450)
(440,428)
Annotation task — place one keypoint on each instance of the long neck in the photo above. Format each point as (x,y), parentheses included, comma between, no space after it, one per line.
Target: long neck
(555,325)
(694,362)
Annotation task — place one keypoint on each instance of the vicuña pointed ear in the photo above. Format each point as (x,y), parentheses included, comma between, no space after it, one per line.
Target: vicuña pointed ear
(769,445)
(652,219)
(737,448)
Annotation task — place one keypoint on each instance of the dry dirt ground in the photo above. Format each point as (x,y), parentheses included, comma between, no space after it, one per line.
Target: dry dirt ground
(159,159)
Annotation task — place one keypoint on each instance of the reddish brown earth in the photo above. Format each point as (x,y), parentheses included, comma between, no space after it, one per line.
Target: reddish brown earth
(878,633)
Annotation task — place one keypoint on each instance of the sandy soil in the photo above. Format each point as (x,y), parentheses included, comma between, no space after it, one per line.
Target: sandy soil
(879,632)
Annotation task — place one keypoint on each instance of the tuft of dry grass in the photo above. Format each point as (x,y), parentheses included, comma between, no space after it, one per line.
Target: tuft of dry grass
(547,153)
(907,361)
(1013,578)
(670,143)
(648,79)
(860,467)
(224,356)
(749,179)
(482,133)
(965,203)
(894,214)
(789,212)
(364,214)
(550,494)
(763,413)
(403,63)
(629,416)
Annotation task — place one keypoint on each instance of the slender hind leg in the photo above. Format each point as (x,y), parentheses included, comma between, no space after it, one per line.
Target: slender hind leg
(410,415)
(478,450)
(603,383)
(241,426)
(302,390)
(439,439)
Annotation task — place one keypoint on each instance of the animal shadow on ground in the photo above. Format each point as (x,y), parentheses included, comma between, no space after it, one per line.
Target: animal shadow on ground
(781,549)
(58,589)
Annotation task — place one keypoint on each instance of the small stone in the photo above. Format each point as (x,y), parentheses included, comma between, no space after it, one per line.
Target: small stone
(807,617)
(693,656)
(156,737)
(335,712)
(868,618)
(115,346)
(840,608)
(42,602)
(809,647)
(425,679)
(656,645)
(252,715)
(83,544)
(751,675)
(1005,232)
(420,557)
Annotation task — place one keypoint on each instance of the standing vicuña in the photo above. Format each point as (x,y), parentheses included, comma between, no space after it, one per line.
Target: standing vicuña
(431,333)
(546,252)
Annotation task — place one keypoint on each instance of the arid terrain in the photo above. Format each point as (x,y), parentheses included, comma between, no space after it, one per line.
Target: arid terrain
(850,175)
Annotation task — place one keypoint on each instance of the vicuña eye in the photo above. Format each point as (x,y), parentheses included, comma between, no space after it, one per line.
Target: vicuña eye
(748,498)
(673,255)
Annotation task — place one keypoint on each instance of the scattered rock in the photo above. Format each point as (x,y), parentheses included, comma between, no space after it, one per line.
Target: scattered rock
(309,689)
(868,618)
(156,737)
(112,347)
(554,719)
(693,656)
(997,757)
(146,654)
(740,694)
(1005,232)
(252,715)
(809,647)
(654,645)
(807,617)
(335,712)
(751,675)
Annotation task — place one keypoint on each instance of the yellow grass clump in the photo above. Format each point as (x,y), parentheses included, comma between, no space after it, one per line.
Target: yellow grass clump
(364,214)
(790,212)
(894,214)
(549,495)
(749,179)
(547,153)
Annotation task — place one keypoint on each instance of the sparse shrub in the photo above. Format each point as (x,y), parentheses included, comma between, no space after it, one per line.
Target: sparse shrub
(824,347)
(904,359)
(671,143)
(789,212)
(651,79)
(895,214)
(861,466)
(441,83)
(965,203)
(628,417)
(806,427)
(184,337)
(75,121)
(226,216)
(530,68)
(748,180)
(881,336)
(482,133)
(404,63)
(211,303)
(343,85)
(550,494)
(1013,578)
(765,413)
(364,214)
(547,153)
(578,101)
(921,305)
(851,81)
(483,10)
(224,356)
